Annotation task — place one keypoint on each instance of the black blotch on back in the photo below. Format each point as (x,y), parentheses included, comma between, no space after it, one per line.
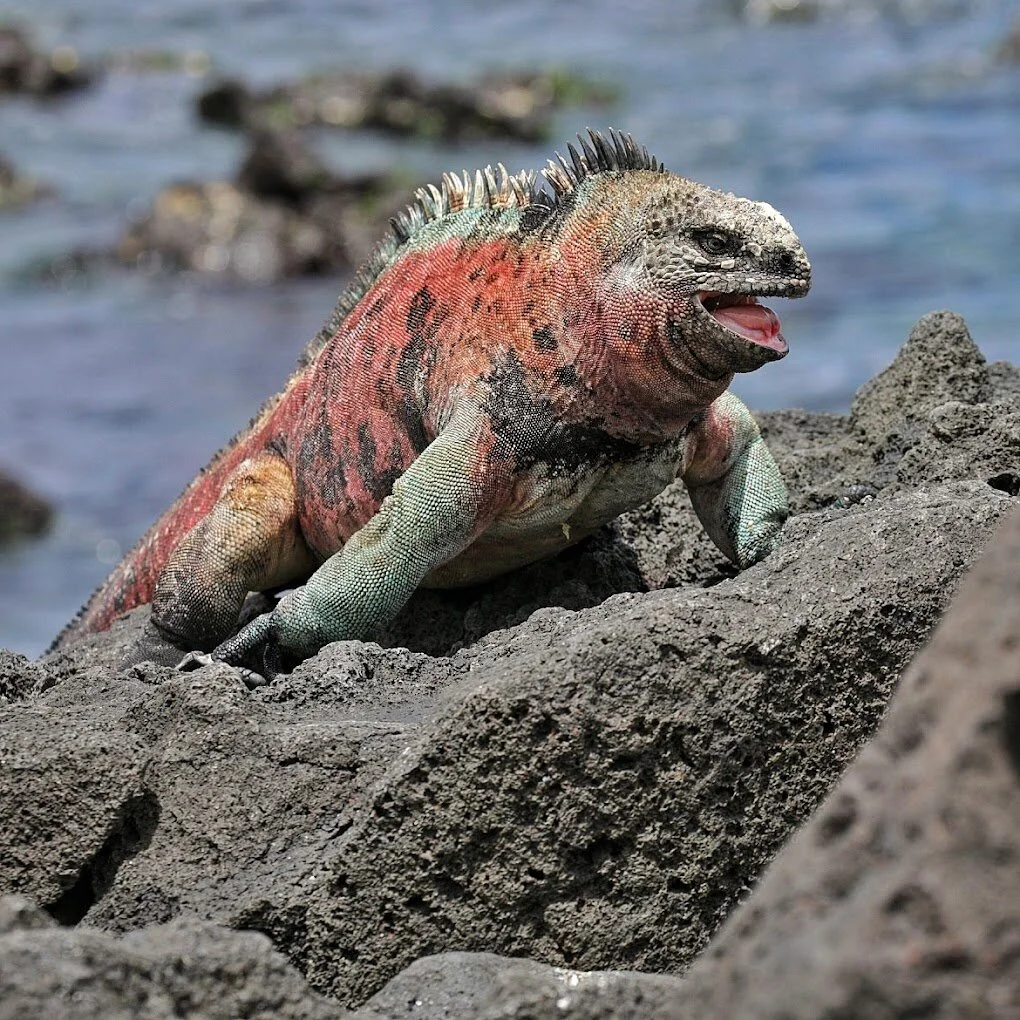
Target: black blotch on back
(318,465)
(567,375)
(379,484)
(527,431)
(417,315)
(545,338)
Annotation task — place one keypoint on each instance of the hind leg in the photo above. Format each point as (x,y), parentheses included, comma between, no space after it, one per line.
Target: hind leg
(249,541)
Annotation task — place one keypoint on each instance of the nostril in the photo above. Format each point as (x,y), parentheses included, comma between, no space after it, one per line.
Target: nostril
(785,263)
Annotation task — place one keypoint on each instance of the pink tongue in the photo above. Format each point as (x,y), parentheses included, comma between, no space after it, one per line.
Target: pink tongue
(756,322)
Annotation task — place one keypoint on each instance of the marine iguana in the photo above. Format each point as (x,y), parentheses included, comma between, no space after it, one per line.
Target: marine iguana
(524,357)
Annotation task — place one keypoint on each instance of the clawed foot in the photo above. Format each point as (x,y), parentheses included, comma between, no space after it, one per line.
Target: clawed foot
(196,660)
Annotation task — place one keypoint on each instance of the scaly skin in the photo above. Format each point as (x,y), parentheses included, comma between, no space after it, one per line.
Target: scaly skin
(512,370)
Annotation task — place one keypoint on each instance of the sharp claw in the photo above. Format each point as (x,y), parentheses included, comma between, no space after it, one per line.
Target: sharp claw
(195,660)
(252,679)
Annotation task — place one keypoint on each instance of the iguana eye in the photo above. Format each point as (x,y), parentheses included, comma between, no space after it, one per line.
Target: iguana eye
(716,242)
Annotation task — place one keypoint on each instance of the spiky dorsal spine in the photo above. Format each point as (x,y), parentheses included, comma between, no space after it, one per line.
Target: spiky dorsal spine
(487,189)
(600,154)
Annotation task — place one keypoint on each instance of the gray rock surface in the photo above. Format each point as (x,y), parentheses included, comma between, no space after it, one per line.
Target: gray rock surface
(566,766)
(601,787)
(454,985)
(187,970)
(899,897)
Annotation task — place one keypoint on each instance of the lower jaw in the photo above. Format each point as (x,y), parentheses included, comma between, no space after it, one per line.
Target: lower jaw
(716,354)
(750,356)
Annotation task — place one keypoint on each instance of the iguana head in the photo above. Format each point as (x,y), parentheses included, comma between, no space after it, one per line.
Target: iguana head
(705,256)
(714,256)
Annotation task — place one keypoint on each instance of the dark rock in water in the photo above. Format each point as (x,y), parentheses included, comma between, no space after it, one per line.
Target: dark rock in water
(594,788)
(218,229)
(22,512)
(516,106)
(16,56)
(280,166)
(286,214)
(187,969)
(782,10)
(23,70)
(228,103)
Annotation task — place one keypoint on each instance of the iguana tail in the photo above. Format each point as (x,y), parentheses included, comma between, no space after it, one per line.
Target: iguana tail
(133,581)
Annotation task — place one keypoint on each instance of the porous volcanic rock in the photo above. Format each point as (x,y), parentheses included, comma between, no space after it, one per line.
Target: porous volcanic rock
(463,985)
(562,766)
(187,970)
(899,897)
(563,790)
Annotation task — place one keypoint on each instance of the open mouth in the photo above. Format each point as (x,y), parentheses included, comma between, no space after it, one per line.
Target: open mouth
(741,314)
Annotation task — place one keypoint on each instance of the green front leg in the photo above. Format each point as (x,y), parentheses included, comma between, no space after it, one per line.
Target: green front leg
(734,482)
(437,508)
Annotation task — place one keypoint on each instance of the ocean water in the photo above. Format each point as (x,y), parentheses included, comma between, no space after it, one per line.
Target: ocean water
(885,131)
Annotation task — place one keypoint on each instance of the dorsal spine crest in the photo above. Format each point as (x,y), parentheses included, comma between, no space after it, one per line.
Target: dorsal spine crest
(488,189)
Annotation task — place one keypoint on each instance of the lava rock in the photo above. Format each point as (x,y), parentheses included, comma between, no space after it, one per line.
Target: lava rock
(187,969)
(899,898)
(227,103)
(514,797)
(464,984)
(280,166)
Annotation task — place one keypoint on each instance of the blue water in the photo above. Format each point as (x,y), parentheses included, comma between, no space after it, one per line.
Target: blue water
(887,136)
